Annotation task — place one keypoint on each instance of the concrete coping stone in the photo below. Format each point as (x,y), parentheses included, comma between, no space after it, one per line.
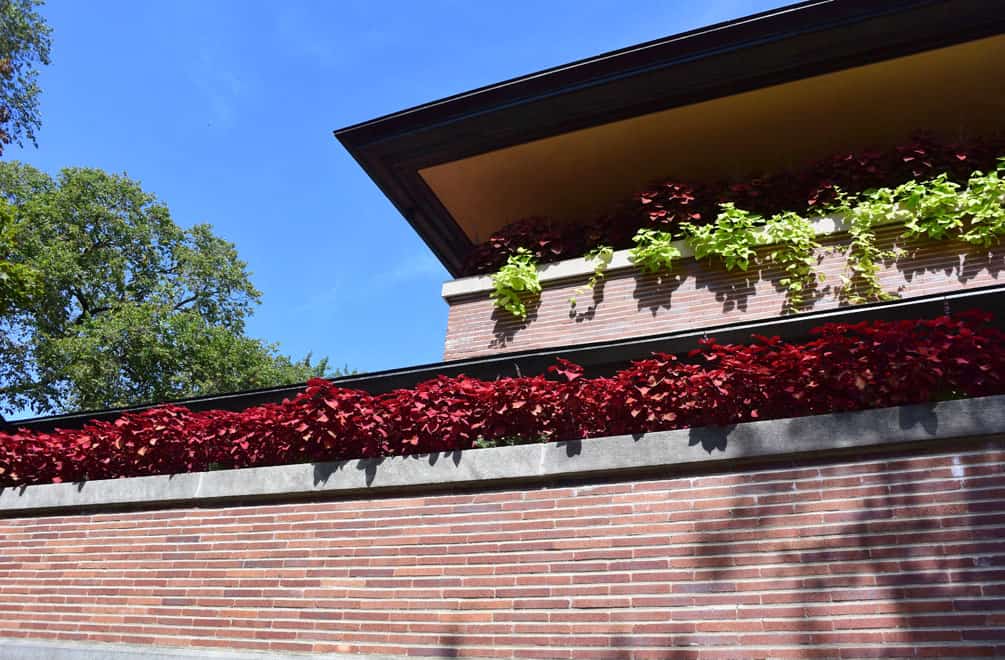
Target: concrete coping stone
(656,452)
(31,649)
(579,267)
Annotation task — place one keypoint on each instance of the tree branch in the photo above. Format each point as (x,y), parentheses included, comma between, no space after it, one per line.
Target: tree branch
(186,301)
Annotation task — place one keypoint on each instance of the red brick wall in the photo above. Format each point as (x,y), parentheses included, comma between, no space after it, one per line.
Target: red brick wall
(895,556)
(698,295)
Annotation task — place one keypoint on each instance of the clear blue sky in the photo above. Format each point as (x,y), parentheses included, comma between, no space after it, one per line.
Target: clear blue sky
(225,110)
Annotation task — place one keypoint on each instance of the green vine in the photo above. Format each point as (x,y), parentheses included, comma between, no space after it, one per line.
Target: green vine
(602,256)
(654,251)
(733,237)
(930,208)
(985,207)
(862,213)
(516,283)
(796,253)
(736,235)
(936,209)
(939,209)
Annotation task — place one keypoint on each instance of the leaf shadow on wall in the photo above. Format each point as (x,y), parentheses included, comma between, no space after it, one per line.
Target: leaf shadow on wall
(506,326)
(971,263)
(369,466)
(597,297)
(834,549)
(653,291)
(710,438)
(732,289)
(324,471)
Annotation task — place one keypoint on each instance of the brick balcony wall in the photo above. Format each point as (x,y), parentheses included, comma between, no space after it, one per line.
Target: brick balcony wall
(700,294)
(895,556)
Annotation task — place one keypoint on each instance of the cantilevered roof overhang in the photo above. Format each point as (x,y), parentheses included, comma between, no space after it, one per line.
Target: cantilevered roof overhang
(706,103)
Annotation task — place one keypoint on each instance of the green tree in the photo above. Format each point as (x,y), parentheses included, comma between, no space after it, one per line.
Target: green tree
(128,307)
(24,44)
(17,280)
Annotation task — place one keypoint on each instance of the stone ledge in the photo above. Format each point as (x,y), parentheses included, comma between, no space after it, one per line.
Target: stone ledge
(662,450)
(37,649)
(580,267)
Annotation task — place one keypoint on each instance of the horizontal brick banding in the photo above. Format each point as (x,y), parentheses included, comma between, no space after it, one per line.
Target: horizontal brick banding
(899,556)
(700,294)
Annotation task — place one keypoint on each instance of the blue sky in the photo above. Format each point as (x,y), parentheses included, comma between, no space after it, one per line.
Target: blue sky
(225,110)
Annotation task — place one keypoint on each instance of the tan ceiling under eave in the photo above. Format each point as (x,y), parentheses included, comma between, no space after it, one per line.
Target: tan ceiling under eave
(957,92)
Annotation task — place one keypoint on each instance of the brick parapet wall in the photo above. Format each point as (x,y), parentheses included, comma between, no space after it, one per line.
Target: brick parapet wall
(894,556)
(701,294)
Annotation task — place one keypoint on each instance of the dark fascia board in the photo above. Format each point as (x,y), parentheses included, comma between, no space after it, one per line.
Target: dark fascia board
(598,358)
(782,45)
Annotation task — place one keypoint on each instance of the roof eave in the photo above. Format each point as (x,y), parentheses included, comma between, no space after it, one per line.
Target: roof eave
(777,46)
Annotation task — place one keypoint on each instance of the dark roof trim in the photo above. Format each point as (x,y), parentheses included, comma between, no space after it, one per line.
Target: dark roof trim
(782,45)
(598,358)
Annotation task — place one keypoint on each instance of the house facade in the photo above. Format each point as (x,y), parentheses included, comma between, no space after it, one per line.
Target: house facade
(674,488)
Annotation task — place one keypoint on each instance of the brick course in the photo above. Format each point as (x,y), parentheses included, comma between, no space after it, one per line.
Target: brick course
(700,294)
(898,556)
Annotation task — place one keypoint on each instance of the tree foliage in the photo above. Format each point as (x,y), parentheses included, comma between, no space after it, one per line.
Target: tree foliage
(127,307)
(24,44)
(17,280)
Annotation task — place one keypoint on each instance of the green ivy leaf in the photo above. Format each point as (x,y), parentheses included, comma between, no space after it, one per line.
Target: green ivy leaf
(516,283)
